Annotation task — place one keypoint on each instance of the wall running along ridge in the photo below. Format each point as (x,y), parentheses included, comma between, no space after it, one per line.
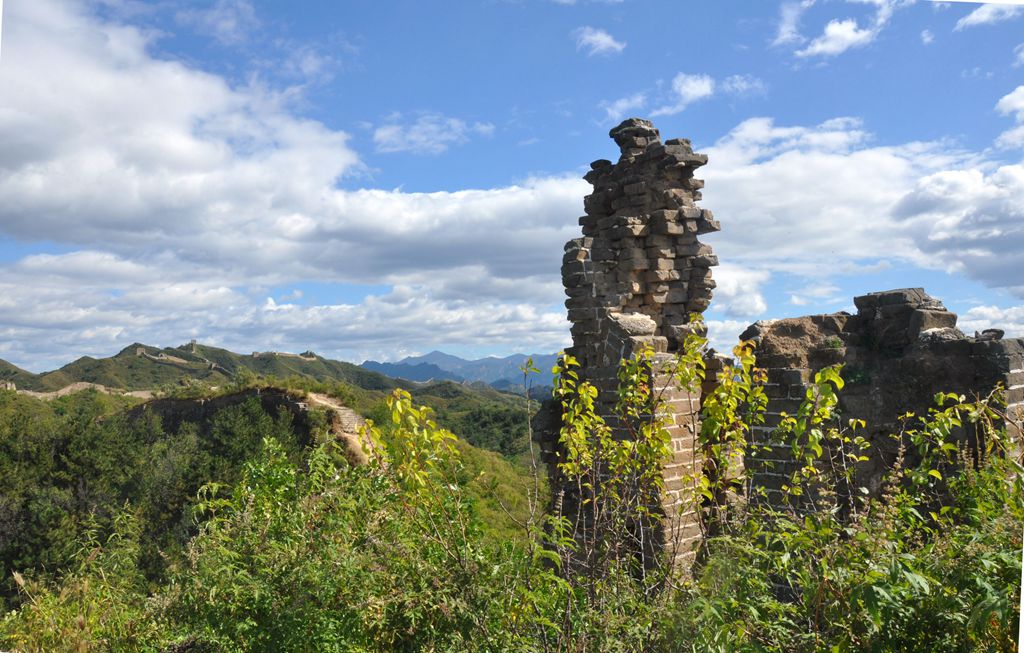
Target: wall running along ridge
(343,423)
(632,280)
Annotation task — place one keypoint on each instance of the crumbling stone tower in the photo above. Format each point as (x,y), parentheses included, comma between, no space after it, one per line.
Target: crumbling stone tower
(633,279)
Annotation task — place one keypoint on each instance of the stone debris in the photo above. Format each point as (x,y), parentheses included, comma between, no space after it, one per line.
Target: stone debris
(990,334)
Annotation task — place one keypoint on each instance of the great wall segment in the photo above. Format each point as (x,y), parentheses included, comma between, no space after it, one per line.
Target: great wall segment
(899,350)
(343,423)
(632,280)
(638,272)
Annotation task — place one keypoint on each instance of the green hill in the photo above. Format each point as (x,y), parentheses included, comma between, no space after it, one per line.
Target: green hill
(136,367)
(13,373)
(482,416)
(73,463)
(144,367)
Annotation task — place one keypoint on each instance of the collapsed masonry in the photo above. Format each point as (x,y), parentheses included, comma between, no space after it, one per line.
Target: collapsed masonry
(638,273)
(899,350)
(632,282)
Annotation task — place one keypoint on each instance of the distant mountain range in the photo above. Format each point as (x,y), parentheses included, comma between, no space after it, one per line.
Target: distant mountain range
(144,367)
(500,373)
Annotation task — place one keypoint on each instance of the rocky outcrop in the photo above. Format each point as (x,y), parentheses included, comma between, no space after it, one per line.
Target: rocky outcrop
(899,350)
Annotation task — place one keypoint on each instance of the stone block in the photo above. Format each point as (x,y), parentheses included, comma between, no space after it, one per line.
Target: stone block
(914,296)
(655,276)
(923,320)
(708,226)
(633,324)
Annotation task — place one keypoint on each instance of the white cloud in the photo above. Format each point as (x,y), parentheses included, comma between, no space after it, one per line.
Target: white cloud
(182,203)
(842,35)
(818,291)
(723,335)
(430,133)
(1012,104)
(1018,53)
(792,200)
(989,14)
(927,37)
(228,21)
(1011,138)
(970,221)
(596,41)
(180,197)
(979,318)
(839,36)
(789,22)
(47,316)
(616,110)
(744,85)
(738,291)
(686,89)
(976,73)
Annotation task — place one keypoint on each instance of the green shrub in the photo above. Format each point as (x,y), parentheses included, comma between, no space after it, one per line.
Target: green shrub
(306,553)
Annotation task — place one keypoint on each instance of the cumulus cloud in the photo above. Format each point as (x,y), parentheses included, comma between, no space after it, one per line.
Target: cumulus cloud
(842,35)
(686,89)
(979,318)
(839,36)
(793,199)
(430,133)
(47,314)
(817,291)
(970,221)
(179,191)
(1012,104)
(596,41)
(1018,53)
(738,292)
(927,36)
(989,14)
(723,335)
(179,204)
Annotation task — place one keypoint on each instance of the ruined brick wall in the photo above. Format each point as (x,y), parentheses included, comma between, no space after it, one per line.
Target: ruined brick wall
(632,281)
(639,271)
(899,350)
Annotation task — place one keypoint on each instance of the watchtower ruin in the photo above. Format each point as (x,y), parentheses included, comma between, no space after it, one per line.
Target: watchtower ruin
(633,280)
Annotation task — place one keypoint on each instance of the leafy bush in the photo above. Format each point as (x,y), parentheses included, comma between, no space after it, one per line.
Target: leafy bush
(303,553)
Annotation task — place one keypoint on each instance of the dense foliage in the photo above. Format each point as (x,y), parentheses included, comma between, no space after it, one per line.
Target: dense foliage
(70,465)
(316,555)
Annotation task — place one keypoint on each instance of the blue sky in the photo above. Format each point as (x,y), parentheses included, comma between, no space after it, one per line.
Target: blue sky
(378,179)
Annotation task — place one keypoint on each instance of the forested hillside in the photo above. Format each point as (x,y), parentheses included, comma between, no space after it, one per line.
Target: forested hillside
(70,466)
